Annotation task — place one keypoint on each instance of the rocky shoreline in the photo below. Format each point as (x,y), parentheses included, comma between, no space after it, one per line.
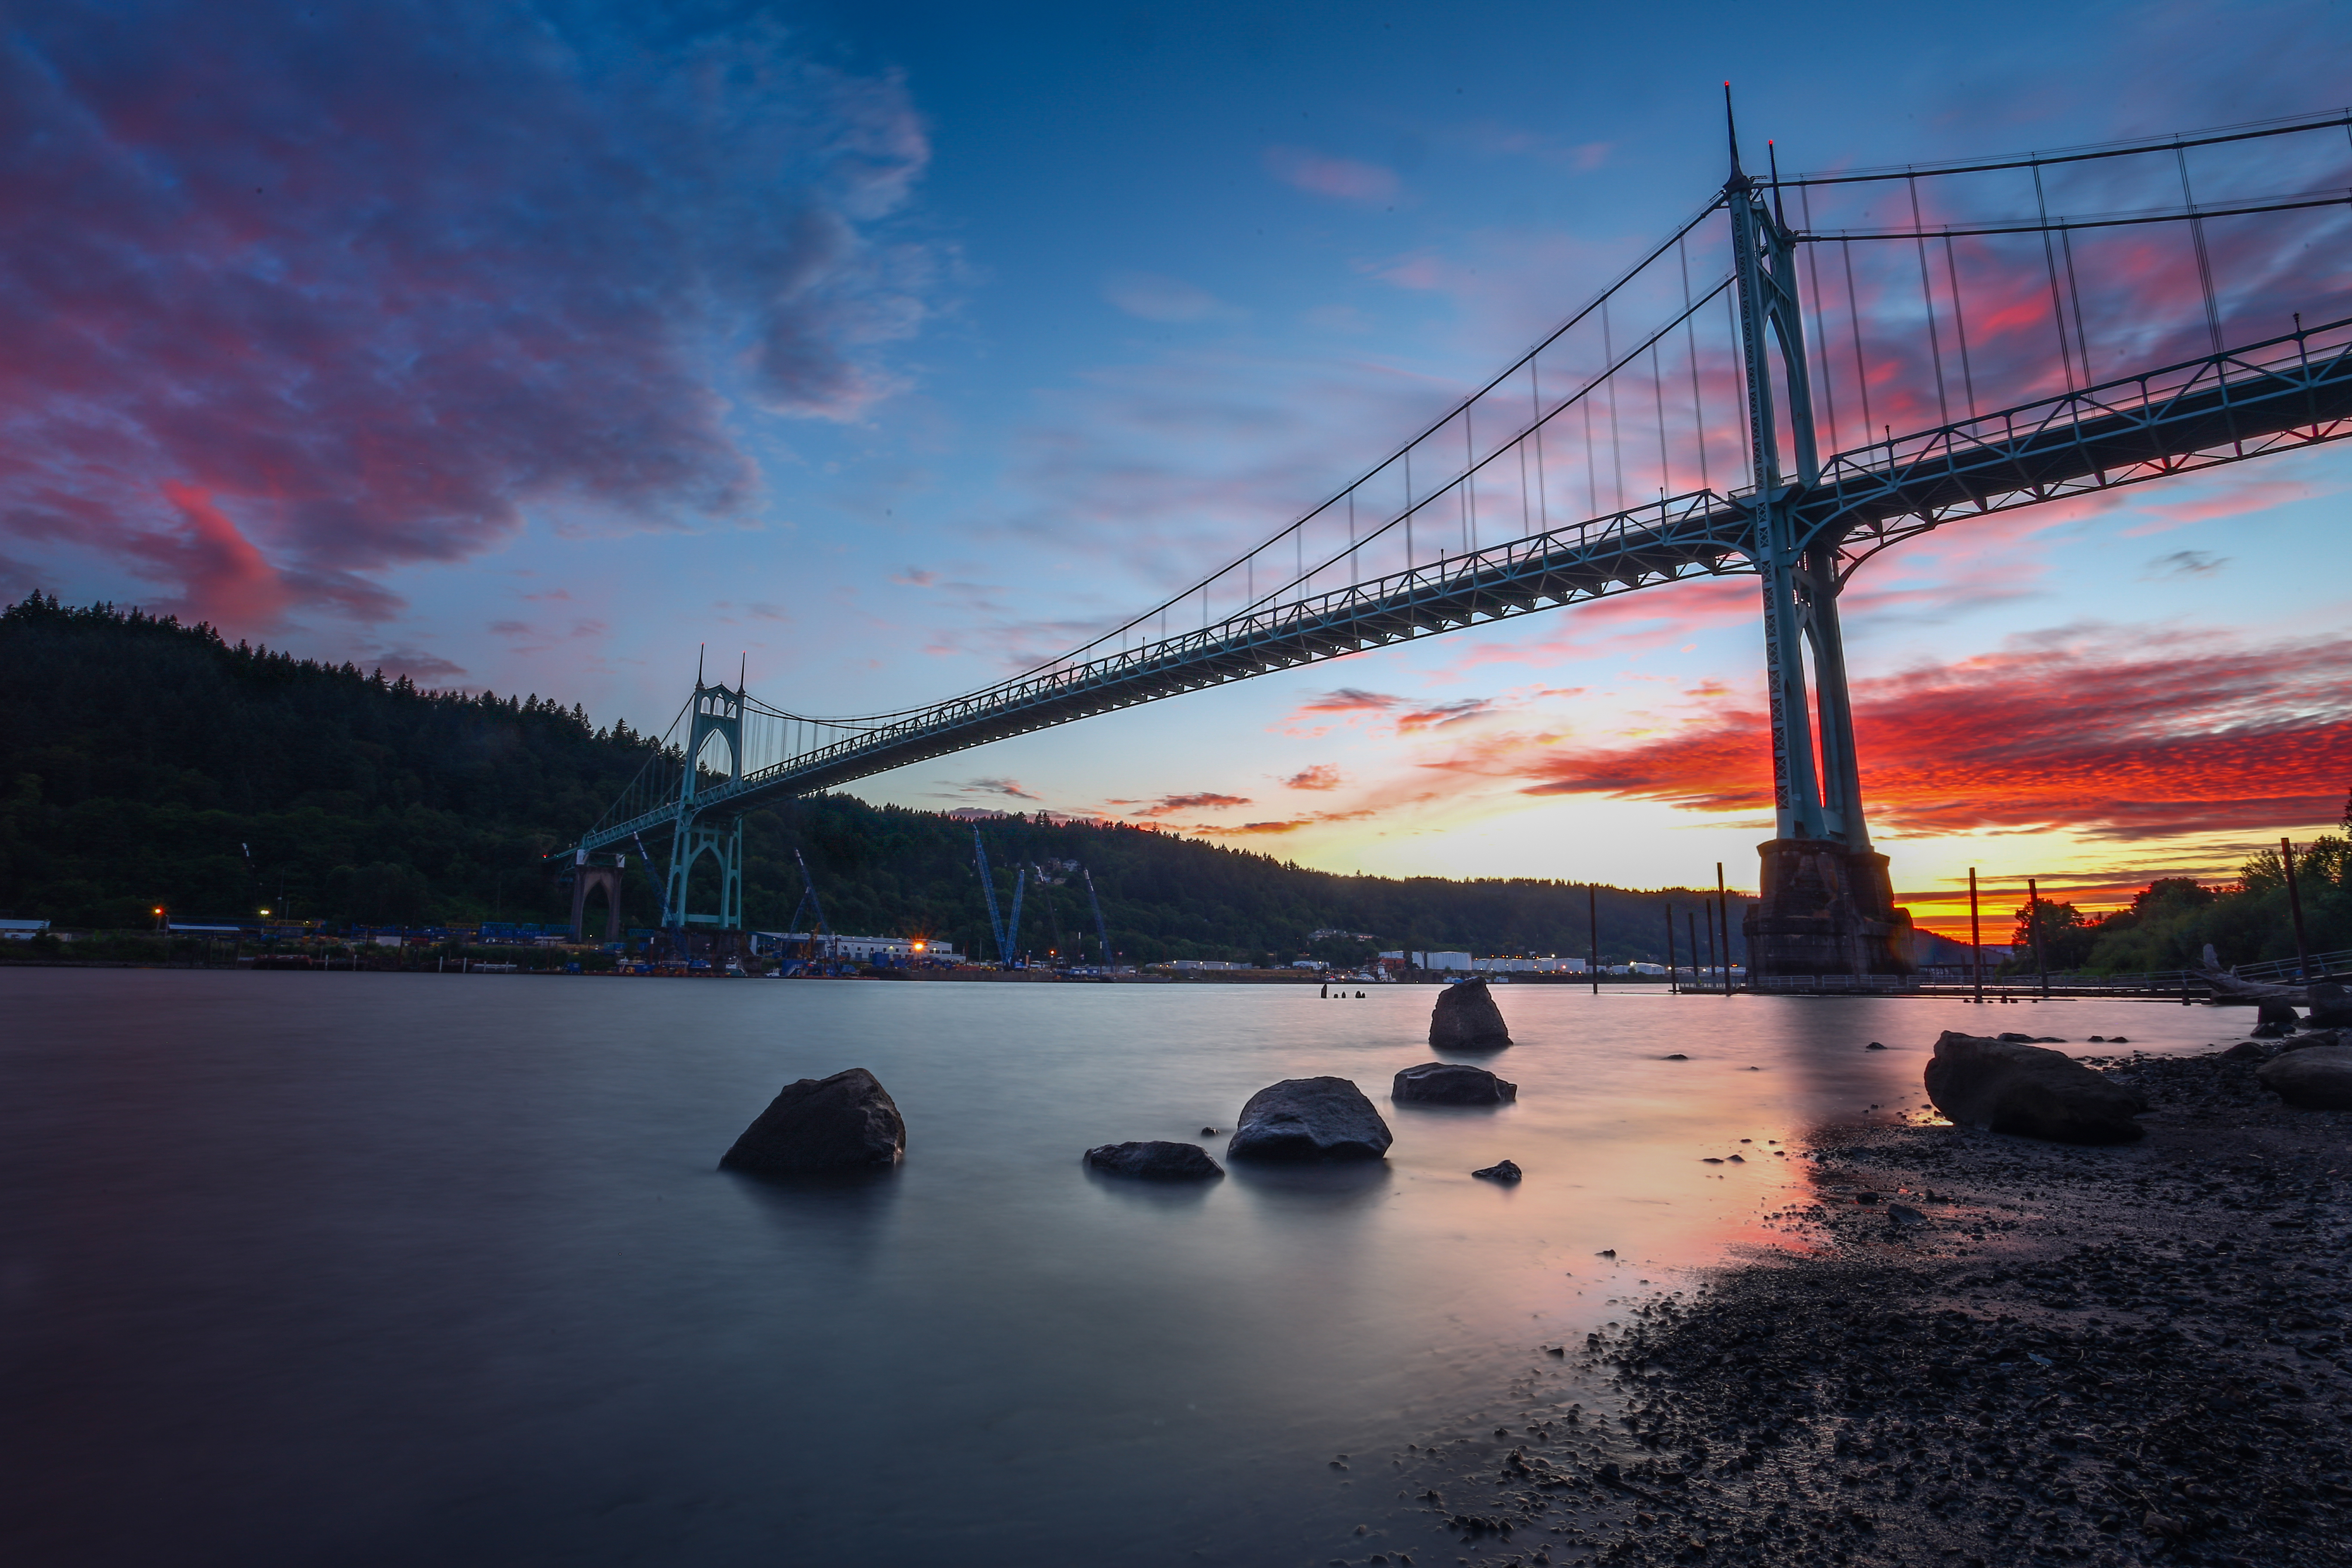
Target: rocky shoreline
(1976,1350)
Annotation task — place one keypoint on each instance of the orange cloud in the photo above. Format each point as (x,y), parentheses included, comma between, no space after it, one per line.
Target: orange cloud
(1322,776)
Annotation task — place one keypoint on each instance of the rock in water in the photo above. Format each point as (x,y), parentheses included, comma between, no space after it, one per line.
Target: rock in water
(1502,1171)
(1466,1019)
(1451,1083)
(839,1123)
(1155,1161)
(1309,1119)
(2000,1086)
(2316,1079)
(2271,1010)
(2331,1005)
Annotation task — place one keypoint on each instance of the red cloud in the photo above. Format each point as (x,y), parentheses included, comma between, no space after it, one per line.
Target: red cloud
(1322,776)
(2144,745)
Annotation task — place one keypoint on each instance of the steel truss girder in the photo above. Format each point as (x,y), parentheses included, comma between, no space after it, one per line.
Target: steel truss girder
(2284,394)
(2289,392)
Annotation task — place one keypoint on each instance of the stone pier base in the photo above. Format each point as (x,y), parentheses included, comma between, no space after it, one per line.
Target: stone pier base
(1825,909)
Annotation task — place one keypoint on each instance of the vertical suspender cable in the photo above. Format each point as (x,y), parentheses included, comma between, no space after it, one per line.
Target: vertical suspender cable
(1535,404)
(2075,292)
(1658,395)
(1616,447)
(1854,319)
(2204,262)
(1960,326)
(1408,514)
(1592,464)
(1690,341)
(1927,298)
(1821,322)
(1469,481)
(2050,260)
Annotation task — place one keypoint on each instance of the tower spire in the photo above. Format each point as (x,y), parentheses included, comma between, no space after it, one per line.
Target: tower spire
(699,650)
(1739,180)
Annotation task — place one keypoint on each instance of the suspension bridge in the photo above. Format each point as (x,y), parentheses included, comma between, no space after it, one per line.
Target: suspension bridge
(1809,370)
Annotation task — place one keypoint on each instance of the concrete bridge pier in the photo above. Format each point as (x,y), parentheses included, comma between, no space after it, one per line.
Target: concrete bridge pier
(586,878)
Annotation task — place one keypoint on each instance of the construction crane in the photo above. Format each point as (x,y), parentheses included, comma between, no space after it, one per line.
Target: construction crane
(1100,930)
(809,900)
(1005,933)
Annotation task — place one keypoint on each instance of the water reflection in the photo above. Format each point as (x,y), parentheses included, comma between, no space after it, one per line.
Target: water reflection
(415,1269)
(1150,1195)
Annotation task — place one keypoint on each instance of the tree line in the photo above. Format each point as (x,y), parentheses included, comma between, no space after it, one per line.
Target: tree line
(149,763)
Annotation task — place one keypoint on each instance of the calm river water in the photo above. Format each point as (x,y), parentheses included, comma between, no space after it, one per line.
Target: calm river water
(336,1268)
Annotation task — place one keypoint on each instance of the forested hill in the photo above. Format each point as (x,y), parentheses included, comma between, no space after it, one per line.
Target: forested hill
(146,762)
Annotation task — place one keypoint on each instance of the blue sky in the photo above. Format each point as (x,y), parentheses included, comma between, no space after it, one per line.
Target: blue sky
(533,347)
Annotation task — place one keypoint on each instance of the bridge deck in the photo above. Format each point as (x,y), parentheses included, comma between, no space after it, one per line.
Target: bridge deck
(2290,392)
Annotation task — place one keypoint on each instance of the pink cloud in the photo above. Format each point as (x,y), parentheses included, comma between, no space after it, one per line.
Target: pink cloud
(1341,179)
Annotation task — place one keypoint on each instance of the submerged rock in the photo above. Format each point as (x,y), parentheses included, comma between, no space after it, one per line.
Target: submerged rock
(1451,1083)
(1466,1019)
(1155,1161)
(836,1124)
(2002,1086)
(1501,1170)
(1305,1119)
(2318,1078)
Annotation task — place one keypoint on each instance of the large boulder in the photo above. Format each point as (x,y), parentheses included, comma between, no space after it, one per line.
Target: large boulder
(2331,1005)
(847,1121)
(1466,1019)
(2318,1079)
(2000,1086)
(1451,1083)
(1302,1119)
(1155,1161)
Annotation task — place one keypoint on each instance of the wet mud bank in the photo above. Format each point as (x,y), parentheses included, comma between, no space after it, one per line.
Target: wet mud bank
(1976,1350)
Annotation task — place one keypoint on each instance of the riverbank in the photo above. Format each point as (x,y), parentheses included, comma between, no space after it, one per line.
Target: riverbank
(1971,1350)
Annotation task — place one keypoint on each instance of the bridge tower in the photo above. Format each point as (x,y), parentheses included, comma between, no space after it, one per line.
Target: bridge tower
(1826,904)
(716,711)
(586,878)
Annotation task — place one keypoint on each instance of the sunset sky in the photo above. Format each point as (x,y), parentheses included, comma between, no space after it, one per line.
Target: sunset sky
(889,346)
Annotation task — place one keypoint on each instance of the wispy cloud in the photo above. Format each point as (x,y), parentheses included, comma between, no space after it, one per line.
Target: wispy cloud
(965,788)
(2185,564)
(1321,776)
(1283,825)
(1149,296)
(1341,179)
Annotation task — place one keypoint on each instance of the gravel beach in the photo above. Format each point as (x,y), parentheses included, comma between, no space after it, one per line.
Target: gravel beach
(1973,1350)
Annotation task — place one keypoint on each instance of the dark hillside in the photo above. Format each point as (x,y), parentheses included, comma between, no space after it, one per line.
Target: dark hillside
(145,762)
